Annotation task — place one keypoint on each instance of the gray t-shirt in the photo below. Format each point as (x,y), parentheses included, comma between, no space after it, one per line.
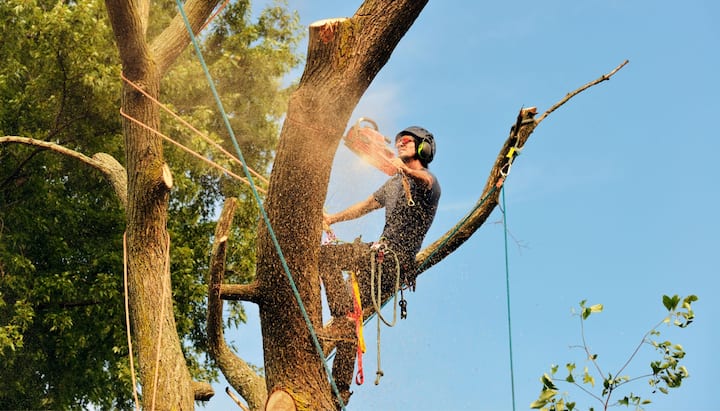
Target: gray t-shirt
(405,225)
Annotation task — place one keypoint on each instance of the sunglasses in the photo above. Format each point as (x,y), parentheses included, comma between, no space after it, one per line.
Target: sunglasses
(404,140)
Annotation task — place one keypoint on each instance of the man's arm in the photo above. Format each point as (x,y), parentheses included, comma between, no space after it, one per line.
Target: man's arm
(418,174)
(353,212)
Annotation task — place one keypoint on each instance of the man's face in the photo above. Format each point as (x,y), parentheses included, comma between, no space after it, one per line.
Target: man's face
(405,147)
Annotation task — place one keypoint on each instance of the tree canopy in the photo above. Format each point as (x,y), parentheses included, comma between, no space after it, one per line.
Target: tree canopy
(62,333)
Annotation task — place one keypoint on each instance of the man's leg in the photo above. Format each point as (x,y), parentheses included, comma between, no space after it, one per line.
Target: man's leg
(334,259)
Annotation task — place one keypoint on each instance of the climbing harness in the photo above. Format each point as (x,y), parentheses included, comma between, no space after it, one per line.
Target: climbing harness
(356,315)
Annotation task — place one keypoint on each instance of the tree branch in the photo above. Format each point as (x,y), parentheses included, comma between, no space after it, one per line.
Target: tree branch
(105,163)
(240,292)
(238,373)
(168,45)
(572,94)
(455,237)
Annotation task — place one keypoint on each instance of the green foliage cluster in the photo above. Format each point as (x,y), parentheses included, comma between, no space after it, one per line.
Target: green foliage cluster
(62,333)
(664,374)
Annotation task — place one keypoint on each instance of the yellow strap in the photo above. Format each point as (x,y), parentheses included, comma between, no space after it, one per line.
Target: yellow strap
(358,307)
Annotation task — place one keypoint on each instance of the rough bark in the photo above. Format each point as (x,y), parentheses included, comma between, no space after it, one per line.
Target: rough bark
(344,55)
(239,374)
(162,369)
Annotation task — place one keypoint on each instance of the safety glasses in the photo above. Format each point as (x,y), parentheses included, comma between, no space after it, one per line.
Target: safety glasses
(404,140)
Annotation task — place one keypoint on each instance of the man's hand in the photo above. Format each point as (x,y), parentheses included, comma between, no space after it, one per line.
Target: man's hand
(399,164)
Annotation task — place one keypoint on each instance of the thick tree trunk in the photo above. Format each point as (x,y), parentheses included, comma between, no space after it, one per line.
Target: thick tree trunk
(165,378)
(344,55)
(164,375)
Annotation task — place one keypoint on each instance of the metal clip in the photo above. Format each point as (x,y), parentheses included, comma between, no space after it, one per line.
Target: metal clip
(403,309)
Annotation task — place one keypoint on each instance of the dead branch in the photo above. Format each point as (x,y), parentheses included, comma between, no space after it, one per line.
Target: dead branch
(572,94)
(488,200)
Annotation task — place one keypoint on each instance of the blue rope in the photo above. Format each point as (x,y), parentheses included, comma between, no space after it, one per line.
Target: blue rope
(507,288)
(265,217)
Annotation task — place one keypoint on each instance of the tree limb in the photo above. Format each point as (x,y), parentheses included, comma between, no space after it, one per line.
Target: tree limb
(240,292)
(455,237)
(168,45)
(105,163)
(238,373)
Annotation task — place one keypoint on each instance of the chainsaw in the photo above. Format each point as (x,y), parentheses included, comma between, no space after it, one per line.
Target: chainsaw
(367,142)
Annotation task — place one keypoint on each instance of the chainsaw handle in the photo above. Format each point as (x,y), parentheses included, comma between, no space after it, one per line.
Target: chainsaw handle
(361,119)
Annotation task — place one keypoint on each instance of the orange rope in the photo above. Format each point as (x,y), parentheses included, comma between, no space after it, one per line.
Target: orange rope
(188,150)
(214,15)
(190,126)
(127,323)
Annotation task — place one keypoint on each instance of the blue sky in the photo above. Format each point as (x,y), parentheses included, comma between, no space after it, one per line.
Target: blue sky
(614,199)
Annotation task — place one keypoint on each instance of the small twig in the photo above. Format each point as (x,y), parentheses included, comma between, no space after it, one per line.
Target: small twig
(587,349)
(580,90)
(637,349)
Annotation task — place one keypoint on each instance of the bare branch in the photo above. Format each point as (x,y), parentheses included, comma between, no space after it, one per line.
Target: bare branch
(240,292)
(105,163)
(570,95)
(455,237)
(236,399)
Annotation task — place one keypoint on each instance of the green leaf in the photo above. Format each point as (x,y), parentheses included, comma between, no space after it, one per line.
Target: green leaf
(587,378)
(547,382)
(537,404)
(671,302)
(546,395)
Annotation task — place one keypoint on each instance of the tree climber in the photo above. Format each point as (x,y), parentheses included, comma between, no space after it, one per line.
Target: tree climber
(410,199)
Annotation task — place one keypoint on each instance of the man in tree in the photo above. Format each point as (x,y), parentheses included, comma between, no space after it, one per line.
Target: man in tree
(410,199)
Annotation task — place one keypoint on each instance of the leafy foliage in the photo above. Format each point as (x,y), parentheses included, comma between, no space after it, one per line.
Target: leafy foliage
(62,334)
(665,373)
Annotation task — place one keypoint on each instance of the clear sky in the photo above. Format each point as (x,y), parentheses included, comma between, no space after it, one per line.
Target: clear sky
(613,200)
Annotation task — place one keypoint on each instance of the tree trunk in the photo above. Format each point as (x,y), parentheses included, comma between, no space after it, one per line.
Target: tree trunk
(344,55)
(165,378)
(163,372)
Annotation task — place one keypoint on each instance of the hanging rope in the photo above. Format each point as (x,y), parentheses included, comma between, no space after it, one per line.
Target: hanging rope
(507,289)
(265,217)
(356,316)
(376,272)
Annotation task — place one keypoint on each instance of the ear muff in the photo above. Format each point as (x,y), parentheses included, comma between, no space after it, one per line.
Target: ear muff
(424,143)
(425,151)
